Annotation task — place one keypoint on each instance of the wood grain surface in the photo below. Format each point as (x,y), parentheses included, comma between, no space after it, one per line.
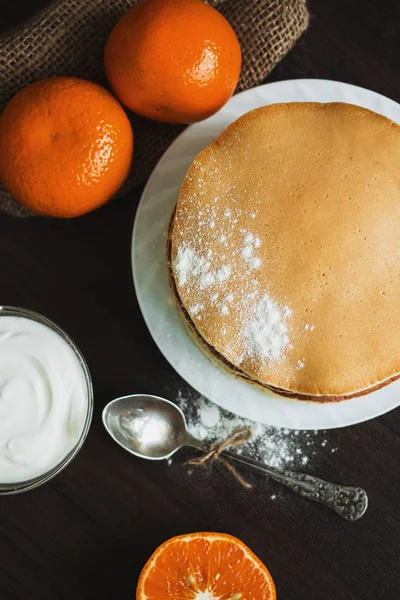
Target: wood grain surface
(88,532)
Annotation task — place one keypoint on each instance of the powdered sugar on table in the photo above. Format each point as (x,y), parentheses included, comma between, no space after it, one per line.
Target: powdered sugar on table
(276,447)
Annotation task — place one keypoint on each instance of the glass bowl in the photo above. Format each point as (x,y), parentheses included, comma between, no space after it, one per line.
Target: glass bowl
(24,486)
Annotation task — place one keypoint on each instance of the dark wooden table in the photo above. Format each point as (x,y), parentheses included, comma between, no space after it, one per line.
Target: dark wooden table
(88,533)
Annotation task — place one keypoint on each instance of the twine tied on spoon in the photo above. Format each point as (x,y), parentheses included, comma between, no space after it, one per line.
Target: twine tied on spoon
(237,438)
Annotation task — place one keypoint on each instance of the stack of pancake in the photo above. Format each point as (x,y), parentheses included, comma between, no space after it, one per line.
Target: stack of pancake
(284,250)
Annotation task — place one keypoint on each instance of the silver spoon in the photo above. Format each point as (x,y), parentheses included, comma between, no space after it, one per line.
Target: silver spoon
(154,428)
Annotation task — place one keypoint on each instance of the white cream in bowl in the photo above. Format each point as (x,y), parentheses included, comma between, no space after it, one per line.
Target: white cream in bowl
(43,399)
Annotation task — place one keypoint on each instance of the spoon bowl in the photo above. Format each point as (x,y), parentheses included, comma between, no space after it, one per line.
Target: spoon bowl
(147,426)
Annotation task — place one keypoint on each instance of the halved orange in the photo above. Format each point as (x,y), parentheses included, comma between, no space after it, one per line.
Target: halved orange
(205,566)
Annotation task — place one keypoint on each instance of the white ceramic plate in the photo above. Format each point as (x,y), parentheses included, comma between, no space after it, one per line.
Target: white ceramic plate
(151,279)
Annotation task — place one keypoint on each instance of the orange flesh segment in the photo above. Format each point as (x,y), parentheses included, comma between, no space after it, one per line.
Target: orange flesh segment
(207,568)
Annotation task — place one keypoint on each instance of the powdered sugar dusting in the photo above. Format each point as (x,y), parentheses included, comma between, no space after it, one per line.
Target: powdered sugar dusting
(223,273)
(260,322)
(224,309)
(251,242)
(195,309)
(277,447)
(266,331)
(192,267)
(188,263)
(255,262)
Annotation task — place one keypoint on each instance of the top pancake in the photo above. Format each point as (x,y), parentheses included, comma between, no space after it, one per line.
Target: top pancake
(293,215)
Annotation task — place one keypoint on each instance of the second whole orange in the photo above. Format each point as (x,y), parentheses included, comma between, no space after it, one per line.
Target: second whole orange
(65,146)
(176,61)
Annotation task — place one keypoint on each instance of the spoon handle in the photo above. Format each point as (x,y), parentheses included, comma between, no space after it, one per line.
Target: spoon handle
(348,502)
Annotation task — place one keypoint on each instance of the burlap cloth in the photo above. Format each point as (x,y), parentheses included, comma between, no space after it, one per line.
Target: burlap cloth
(68,38)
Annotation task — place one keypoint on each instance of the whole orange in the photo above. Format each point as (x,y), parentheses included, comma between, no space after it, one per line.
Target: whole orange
(176,61)
(65,146)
